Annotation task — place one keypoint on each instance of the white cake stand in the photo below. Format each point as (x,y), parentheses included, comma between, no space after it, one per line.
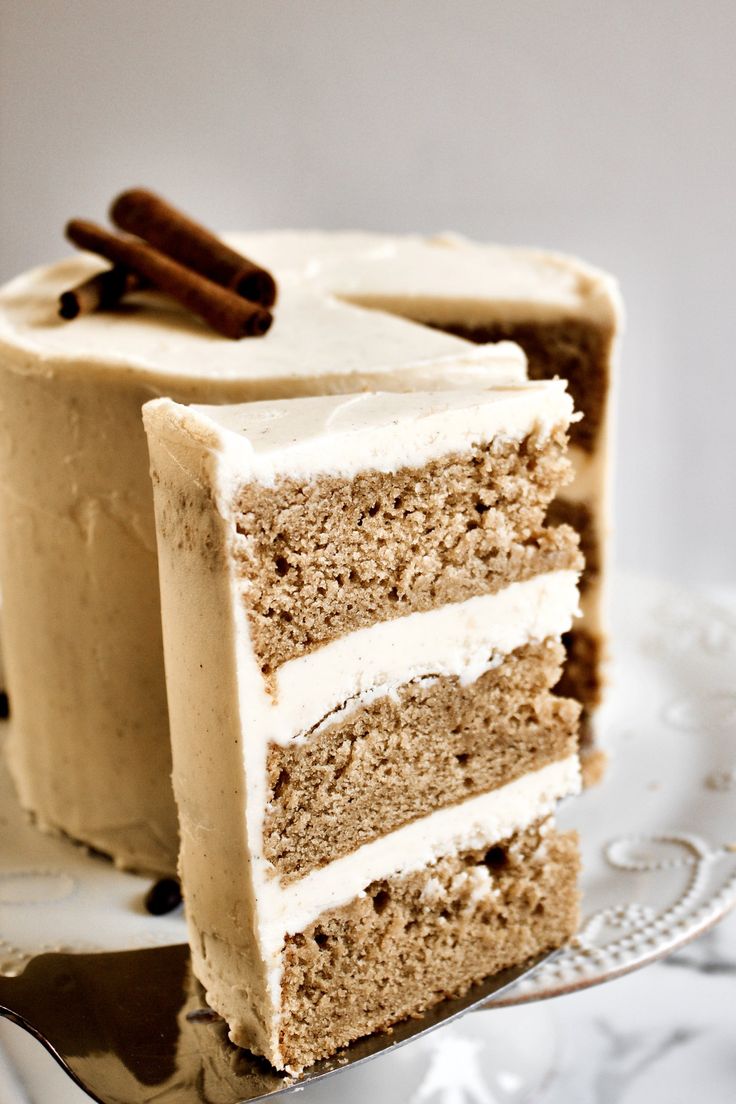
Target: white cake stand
(659,851)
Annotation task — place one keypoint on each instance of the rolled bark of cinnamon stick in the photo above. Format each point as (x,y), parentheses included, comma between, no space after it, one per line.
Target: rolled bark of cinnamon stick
(141,212)
(223,310)
(99,292)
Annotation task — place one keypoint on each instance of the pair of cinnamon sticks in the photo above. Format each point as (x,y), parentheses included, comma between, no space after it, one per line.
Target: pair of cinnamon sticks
(178,257)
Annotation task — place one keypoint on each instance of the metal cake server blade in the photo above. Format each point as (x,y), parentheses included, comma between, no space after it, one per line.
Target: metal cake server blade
(132,1027)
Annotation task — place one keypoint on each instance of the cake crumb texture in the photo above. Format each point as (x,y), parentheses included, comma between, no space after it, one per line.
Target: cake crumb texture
(582,676)
(322,559)
(593,763)
(579,517)
(574,349)
(410,942)
(432,743)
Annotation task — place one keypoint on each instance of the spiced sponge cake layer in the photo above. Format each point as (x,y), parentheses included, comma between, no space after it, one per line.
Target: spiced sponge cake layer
(409,942)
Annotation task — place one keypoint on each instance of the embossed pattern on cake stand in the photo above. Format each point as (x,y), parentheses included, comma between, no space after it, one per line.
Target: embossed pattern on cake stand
(658,835)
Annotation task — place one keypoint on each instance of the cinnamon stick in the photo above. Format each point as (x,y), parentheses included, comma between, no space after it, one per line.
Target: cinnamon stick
(99,292)
(223,310)
(141,212)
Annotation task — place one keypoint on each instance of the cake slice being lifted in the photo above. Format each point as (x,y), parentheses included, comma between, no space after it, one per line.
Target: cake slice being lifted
(362,612)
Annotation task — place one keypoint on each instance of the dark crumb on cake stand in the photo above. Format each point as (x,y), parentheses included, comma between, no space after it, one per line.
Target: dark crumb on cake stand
(164,896)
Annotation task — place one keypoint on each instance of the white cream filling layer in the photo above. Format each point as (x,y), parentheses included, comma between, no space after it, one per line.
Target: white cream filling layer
(463,639)
(478,822)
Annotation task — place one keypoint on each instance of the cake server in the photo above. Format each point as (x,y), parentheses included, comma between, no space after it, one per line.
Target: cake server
(132,1027)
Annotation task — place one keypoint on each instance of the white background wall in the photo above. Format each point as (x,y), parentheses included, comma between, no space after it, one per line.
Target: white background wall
(603,129)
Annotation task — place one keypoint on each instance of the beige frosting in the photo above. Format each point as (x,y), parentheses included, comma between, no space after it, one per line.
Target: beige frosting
(343,434)
(315,337)
(443,279)
(223,714)
(90,751)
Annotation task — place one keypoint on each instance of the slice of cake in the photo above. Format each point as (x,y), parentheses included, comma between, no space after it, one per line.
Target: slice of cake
(362,611)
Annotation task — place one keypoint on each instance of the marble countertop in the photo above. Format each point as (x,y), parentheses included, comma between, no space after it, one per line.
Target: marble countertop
(664,1035)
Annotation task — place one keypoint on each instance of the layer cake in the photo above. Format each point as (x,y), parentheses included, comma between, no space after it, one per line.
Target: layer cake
(362,610)
(89,750)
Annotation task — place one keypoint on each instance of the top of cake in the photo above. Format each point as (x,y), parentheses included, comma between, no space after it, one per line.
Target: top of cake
(326,280)
(343,434)
(442,278)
